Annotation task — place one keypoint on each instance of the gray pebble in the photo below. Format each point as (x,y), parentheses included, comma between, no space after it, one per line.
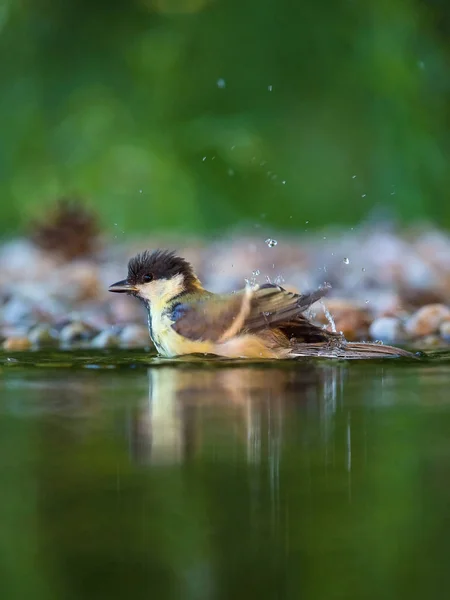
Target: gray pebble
(444,330)
(135,336)
(105,339)
(387,329)
(43,335)
(77,331)
(16,310)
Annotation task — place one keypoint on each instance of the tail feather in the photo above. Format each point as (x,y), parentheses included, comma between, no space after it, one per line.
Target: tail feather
(349,350)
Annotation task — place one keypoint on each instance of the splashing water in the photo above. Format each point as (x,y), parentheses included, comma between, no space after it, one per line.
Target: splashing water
(328,315)
(346,261)
(256,272)
(221,83)
(271,243)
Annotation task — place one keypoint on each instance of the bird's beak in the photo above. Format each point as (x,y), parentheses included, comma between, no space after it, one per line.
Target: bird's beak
(122,287)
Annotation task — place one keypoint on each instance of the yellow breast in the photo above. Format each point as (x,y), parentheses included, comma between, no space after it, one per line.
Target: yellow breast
(168,342)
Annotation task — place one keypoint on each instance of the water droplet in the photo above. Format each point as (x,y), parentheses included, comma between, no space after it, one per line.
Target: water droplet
(363,195)
(233,147)
(284,182)
(221,83)
(230,172)
(363,270)
(204,158)
(140,191)
(256,272)
(353,176)
(306,222)
(346,261)
(324,237)
(279,279)
(270,88)
(271,243)
(367,301)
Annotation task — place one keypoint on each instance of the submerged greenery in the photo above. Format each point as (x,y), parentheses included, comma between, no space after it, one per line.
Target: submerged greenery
(198,114)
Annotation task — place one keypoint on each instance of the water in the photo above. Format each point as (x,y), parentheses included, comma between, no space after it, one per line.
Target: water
(127,476)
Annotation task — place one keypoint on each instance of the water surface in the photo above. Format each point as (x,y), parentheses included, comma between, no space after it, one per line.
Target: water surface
(127,476)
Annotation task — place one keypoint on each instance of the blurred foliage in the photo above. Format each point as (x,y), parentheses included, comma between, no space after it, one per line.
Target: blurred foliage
(199,114)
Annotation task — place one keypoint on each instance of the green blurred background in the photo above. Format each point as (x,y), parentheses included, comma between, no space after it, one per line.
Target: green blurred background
(196,115)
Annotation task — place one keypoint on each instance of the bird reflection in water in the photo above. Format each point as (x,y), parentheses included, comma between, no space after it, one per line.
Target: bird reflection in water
(192,411)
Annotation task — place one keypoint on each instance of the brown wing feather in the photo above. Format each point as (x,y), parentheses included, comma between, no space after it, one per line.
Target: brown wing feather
(301,330)
(273,306)
(219,318)
(214,318)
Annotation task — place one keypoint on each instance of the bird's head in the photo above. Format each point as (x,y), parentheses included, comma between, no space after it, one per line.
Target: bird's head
(157,276)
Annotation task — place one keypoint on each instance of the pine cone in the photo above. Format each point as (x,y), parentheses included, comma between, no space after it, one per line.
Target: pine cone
(70,230)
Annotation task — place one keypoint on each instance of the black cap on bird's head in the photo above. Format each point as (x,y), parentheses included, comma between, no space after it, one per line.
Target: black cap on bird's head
(152,266)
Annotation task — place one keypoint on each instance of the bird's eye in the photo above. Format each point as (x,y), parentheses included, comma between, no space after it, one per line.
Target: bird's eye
(148,278)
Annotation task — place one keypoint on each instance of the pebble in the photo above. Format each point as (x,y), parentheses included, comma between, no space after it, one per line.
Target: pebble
(16,310)
(135,336)
(76,331)
(427,320)
(105,339)
(394,288)
(82,282)
(16,344)
(444,330)
(42,335)
(387,329)
(354,325)
(431,341)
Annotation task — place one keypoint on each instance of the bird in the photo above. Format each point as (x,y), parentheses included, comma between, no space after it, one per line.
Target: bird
(258,322)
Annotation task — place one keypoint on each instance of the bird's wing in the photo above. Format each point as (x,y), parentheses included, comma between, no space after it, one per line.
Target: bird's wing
(273,306)
(219,318)
(215,318)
